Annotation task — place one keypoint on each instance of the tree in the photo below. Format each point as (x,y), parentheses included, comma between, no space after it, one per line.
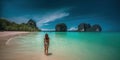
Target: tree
(6,25)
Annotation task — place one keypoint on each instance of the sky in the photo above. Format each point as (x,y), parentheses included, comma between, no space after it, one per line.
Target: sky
(48,13)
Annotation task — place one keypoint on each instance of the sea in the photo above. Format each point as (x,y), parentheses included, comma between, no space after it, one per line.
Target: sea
(64,46)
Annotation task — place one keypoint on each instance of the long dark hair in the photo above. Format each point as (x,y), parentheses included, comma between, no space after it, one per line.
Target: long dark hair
(46,36)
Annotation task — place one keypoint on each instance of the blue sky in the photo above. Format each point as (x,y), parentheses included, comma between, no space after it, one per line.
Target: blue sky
(48,13)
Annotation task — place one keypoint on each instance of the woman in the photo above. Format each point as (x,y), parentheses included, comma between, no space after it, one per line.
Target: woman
(46,44)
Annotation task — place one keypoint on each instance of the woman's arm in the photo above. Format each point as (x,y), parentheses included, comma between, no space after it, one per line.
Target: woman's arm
(48,41)
(44,40)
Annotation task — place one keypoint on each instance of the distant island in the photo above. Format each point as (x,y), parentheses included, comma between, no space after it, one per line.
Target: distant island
(6,25)
(61,27)
(82,27)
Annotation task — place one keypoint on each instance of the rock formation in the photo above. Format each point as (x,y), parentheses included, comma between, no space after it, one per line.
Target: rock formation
(97,28)
(61,27)
(6,25)
(31,23)
(83,27)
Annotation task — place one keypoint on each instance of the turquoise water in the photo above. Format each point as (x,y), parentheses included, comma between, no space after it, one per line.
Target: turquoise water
(66,46)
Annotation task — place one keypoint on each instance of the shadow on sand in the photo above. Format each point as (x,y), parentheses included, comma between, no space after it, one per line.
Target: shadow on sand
(49,54)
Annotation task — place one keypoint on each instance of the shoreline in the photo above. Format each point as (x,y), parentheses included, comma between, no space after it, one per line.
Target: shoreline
(6,35)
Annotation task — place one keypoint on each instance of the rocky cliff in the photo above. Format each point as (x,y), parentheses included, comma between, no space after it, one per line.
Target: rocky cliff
(84,27)
(61,27)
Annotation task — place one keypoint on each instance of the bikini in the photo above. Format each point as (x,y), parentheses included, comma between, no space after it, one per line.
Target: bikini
(46,43)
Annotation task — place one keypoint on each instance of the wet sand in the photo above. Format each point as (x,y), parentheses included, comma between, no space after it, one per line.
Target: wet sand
(25,48)
(6,35)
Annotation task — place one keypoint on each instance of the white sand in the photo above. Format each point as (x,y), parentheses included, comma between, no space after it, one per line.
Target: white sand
(10,33)
(7,35)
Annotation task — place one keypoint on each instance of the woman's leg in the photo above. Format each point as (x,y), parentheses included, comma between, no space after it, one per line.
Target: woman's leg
(45,49)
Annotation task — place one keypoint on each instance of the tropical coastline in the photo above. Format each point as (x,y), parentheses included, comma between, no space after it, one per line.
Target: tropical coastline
(63,46)
(60,30)
(5,35)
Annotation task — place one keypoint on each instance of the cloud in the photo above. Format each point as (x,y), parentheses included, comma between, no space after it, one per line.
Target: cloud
(72,28)
(44,29)
(52,17)
(42,19)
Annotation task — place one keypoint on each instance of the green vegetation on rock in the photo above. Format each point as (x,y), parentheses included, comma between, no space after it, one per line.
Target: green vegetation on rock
(61,27)
(6,25)
(84,27)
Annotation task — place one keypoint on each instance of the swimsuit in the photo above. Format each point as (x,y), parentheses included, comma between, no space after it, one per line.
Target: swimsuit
(46,43)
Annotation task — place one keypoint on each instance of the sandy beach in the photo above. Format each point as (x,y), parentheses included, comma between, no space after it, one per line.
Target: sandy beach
(6,35)
(63,46)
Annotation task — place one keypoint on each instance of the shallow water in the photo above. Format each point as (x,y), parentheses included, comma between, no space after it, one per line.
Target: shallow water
(64,46)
